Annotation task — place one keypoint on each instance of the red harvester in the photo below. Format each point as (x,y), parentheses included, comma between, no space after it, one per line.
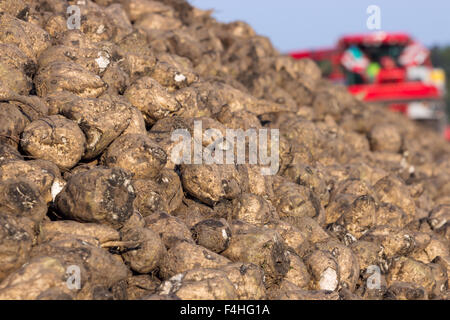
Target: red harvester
(390,69)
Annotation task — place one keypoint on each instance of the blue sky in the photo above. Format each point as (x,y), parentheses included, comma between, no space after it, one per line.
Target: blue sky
(303,24)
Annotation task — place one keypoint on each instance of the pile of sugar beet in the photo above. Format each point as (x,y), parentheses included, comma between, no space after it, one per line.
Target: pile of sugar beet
(93,207)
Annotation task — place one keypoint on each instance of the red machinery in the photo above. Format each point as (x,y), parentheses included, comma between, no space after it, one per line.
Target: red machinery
(387,68)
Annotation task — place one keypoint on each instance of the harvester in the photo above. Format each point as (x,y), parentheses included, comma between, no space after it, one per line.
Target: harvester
(389,69)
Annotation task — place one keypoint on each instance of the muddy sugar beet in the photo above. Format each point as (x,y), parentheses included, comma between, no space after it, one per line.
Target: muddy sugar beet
(155,153)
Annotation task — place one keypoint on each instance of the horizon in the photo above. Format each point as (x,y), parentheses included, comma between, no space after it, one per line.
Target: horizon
(425,22)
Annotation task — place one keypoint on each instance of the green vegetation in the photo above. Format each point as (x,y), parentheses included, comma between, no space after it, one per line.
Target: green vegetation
(441,59)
